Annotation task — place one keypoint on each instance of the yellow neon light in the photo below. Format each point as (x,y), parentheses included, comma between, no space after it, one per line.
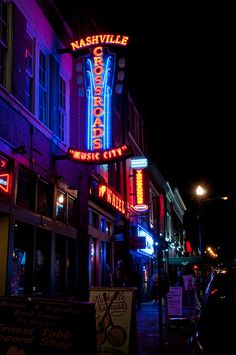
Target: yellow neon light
(99,39)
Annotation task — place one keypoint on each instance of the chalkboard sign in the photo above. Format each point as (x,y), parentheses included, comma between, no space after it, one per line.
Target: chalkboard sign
(31,326)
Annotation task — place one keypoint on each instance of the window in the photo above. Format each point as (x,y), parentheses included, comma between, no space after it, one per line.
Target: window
(43,90)
(29,72)
(42,262)
(26,189)
(45,198)
(103,225)
(103,171)
(71,264)
(108,228)
(31,260)
(95,220)
(60,126)
(65,208)
(3,41)
(71,211)
(60,263)
(60,206)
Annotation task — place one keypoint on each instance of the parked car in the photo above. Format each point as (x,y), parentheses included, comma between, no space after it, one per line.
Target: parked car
(216,327)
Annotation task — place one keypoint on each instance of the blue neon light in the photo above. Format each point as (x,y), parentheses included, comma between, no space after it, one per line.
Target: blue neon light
(138,163)
(149,241)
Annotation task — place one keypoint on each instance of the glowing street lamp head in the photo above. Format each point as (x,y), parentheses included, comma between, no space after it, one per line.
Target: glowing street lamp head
(200,191)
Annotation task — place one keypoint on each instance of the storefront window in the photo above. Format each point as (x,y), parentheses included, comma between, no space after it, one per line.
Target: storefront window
(22,270)
(71,264)
(31,260)
(42,268)
(60,263)
(93,262)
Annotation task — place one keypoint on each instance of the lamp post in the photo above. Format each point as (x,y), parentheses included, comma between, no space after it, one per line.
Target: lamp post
(201,192)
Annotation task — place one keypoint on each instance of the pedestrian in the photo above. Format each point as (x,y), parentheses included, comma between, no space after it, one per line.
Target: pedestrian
(119,276)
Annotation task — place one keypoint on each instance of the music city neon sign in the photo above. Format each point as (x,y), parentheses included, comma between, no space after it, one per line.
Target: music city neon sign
(100,157)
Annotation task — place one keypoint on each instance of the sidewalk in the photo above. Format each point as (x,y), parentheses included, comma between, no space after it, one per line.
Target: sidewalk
(149,342)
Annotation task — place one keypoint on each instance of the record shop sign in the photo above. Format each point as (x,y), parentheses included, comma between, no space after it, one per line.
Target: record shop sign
(31,326)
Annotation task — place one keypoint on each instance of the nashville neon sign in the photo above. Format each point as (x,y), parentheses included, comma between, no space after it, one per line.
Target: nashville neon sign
(100,157)
(99,39)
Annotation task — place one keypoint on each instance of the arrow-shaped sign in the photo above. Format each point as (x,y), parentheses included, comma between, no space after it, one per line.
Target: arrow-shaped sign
(4,182)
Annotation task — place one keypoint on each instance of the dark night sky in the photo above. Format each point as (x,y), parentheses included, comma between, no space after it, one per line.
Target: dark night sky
(181,71)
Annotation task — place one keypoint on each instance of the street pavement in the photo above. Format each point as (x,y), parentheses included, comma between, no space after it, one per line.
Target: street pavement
(170,339)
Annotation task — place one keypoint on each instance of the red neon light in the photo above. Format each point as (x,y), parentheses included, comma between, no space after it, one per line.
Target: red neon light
(99,39)
(110,197)
(4,182)
(3,164)
(101,157)
(140,206)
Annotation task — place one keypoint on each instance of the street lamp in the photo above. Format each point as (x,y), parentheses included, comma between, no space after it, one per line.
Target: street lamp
(200,191)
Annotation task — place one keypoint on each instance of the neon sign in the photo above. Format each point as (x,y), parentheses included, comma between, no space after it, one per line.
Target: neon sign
(4,182)
(99,39)
(149,241)
(105,193)
(101,157)
(99,72)
(99,68)
(3,164)
(139,164)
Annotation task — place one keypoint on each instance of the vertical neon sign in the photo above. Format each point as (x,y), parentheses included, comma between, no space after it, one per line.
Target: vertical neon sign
(138,164)
(100,67)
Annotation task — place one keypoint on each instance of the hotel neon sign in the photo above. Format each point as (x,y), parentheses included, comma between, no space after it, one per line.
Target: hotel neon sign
(112,198)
